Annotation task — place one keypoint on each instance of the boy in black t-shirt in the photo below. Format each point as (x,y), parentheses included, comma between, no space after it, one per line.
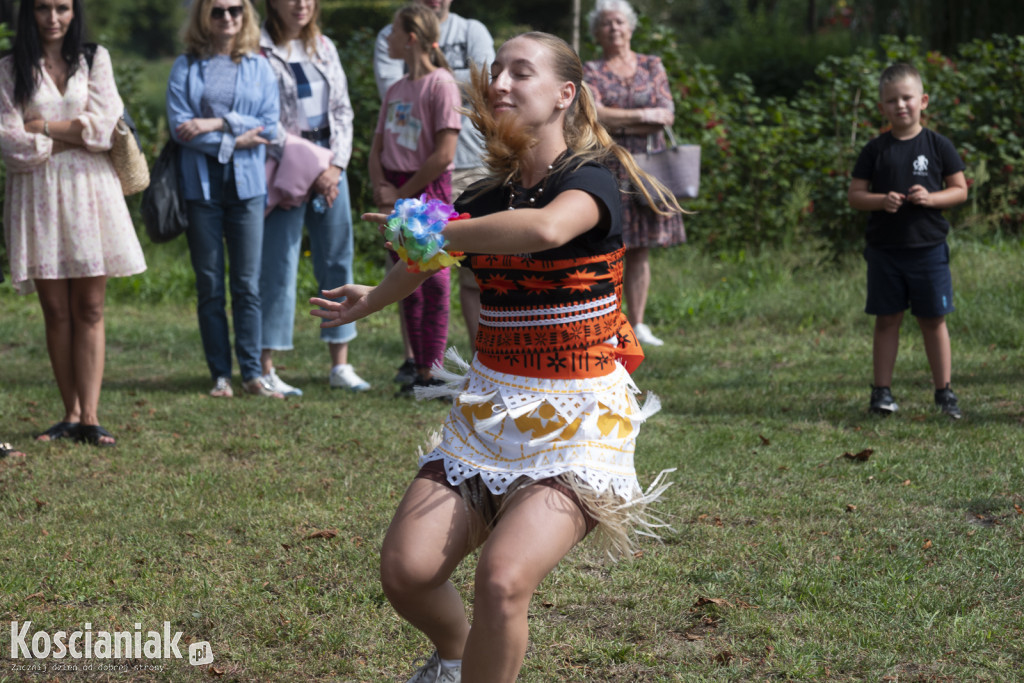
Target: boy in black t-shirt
(905,177)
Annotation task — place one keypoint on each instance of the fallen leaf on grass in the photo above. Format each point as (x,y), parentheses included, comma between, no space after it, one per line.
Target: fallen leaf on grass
(851,508)
(701,601)
(547,604)
(927,544)
(214,671)
(724,657)
(860,456)
(1020,511)
(36,596)
(906,482)
(322,533)
(764,441)
(40,504)
(692,636)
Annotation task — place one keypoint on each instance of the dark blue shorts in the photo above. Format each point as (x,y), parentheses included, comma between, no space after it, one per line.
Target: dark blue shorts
(914,278)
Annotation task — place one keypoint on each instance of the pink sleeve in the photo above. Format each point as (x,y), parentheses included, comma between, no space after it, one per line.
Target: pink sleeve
(446,102)
(22,151)
(104,106)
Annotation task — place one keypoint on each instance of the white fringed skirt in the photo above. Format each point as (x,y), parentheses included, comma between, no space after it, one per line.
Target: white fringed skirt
(511,431)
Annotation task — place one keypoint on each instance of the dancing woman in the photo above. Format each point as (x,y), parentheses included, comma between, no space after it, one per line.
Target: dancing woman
(538,448)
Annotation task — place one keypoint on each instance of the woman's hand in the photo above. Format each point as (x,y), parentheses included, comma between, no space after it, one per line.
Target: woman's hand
(385,194)
(334,313)
(250,138)
(35,126)
(326,184)
(381,219)
(195,127)
(657,116)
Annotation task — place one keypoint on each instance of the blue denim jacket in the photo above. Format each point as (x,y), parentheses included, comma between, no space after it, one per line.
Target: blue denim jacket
(256,104)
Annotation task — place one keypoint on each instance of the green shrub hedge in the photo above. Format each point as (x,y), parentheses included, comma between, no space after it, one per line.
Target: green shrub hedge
(775,172)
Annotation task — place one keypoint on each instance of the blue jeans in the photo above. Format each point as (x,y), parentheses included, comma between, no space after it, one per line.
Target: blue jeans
(239,223)
(330,241)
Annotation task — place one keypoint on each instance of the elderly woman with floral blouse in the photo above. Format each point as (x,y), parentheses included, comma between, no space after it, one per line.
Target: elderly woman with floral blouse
(634,104)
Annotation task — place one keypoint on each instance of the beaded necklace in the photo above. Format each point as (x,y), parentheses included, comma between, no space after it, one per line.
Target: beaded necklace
(526,199)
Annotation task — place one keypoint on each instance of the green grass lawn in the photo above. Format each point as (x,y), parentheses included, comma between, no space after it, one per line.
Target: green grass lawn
(255,524)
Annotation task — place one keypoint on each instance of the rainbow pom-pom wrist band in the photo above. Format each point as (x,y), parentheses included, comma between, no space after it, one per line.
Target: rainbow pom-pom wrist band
(415,228)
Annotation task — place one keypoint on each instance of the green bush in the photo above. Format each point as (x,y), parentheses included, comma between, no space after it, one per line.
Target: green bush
(775,172)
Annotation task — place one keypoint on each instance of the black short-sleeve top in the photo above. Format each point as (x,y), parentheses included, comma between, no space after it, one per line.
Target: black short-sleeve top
(555,313)
(894,165)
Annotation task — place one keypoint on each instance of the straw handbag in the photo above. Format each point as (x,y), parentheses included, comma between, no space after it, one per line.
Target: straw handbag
(129,161)
(677,167)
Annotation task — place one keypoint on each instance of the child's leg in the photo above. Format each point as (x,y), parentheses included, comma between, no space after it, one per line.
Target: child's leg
(886,346)
(412,308)
(428,537)
(937,348)
(433,331)
(539,527)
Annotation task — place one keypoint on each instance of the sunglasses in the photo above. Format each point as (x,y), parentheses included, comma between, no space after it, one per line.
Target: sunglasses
(219,12)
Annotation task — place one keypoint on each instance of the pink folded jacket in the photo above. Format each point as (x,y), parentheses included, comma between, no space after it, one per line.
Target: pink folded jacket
(290,178)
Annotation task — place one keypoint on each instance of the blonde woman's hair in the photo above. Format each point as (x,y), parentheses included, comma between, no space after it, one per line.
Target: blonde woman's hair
(420,20)
(197,33)
(308,35)
(586,138)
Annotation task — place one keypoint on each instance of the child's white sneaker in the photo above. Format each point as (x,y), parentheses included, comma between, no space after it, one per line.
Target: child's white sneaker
(274,383)
(345,377)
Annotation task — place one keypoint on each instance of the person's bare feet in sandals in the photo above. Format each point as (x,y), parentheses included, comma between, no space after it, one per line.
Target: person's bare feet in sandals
(7,451)
(61,430)
(94,435)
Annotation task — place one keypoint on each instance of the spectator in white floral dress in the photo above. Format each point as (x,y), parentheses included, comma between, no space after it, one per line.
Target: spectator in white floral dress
(65,219)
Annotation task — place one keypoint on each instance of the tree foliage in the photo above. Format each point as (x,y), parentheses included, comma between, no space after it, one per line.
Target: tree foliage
(776,171)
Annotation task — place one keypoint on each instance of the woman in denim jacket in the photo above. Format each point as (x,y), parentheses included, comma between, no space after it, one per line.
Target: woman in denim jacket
(222,107)
(314,105)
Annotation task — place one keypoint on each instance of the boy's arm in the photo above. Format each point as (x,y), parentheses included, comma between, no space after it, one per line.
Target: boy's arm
(953,194)
(862,198)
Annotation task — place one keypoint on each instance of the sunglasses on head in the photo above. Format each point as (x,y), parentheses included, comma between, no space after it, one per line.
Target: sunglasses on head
(219,12)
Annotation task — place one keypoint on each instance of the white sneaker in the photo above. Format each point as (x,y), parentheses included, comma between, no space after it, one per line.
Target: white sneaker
(275,383)
(345,377)
(434,672)
(222,389)
(645,336)
(256,387)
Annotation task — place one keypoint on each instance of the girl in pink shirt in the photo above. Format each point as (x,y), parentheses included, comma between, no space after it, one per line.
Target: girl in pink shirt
(413,153)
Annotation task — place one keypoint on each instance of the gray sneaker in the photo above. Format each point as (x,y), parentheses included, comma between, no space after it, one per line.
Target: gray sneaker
(946,401)
(882,402)
(433,672)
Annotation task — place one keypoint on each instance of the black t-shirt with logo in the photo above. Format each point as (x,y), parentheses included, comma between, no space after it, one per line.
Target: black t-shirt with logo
(892,165)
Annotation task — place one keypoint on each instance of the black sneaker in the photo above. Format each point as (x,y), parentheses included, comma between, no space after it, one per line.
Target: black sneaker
(406,372)
(882,402)
(945,399)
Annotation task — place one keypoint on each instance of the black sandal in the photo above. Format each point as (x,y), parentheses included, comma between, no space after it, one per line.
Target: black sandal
(7,449)
(61,430)
(91,434)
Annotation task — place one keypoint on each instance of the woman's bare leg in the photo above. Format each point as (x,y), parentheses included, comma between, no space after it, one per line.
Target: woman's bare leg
(539,527)
(55,300)
(636,283)
(428,537)
(90,344)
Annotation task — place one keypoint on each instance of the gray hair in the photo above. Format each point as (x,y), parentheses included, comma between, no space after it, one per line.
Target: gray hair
(602,6)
